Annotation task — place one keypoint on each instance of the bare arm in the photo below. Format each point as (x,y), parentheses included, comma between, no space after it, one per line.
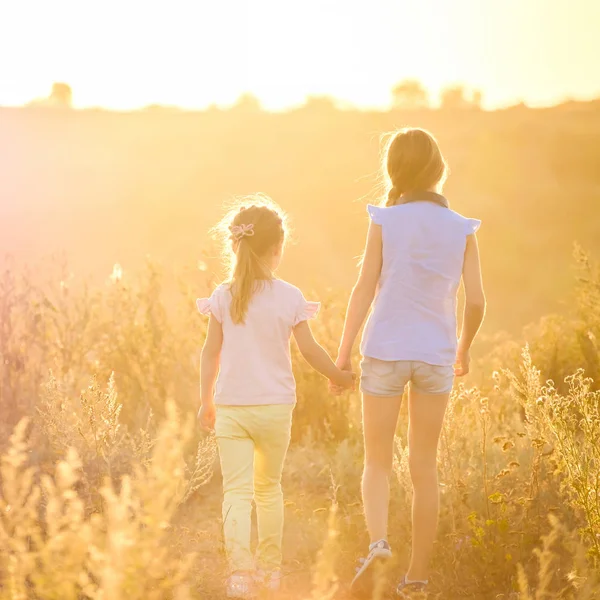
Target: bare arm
(318,358)
(362,295)
(209,369)
(474,304)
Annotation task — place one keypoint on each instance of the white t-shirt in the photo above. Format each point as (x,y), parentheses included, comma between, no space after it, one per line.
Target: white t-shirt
(414,313)
(256,367)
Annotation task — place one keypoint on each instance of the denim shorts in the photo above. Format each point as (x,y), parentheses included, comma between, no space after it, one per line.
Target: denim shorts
(389,378)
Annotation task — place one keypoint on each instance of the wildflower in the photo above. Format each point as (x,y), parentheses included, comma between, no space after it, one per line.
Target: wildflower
(117,273)
(484,410)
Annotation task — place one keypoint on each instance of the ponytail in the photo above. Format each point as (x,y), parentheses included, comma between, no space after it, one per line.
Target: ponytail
(247,273)
(252,233)
(393,196)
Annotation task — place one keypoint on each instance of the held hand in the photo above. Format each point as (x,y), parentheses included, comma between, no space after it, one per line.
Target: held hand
(463,361)
(207,416)
(344,365)
(345,380)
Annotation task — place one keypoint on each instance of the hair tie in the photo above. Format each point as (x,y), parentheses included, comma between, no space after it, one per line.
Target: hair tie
(240,231)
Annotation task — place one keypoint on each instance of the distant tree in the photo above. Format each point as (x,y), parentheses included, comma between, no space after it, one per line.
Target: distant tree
(319,104)
(61,95)
(453,97)
(457,96)
(161,108)
(410,94)
(248,103)
(477,98)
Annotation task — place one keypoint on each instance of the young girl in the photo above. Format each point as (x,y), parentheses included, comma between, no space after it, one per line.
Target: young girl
(416,253)
(252,317)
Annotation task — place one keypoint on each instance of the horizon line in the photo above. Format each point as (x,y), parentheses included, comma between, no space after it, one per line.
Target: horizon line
(339,106)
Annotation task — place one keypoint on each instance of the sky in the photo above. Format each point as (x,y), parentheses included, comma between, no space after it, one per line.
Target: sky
(127,54)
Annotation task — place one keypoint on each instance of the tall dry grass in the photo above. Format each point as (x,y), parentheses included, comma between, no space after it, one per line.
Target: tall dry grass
(105,482)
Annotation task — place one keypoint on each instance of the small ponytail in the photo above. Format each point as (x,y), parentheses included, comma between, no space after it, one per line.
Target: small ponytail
(393,196)
(247,270)
(253,231)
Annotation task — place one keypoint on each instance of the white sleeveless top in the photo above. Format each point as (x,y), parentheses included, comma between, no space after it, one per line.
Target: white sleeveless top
(414,313)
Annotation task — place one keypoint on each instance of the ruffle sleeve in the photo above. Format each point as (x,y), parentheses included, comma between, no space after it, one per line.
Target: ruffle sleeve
(376,213)
(472,226)
(306,311)
(210,306)
(203,305)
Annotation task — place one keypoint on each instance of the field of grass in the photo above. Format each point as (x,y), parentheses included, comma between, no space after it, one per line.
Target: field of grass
(112,493)
(107,493)
(103,188)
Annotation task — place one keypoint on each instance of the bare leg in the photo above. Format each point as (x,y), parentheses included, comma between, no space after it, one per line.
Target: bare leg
(426,416)
(380,416)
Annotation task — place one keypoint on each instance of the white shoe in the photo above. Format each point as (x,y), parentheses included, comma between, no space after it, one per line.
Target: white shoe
(269,580)
(371,569)
(242,586)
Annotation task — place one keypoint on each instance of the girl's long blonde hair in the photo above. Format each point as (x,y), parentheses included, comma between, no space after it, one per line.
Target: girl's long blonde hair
(413,162)
(253,230)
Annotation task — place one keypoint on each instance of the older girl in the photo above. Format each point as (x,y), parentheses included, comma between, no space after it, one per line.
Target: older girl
(416,254)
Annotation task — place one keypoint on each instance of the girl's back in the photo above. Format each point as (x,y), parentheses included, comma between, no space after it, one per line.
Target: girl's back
(414,316)
(255,357)
(417,250)
(246,354)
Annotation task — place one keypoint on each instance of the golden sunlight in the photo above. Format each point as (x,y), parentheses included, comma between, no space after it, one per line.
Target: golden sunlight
(205,393)
(189,53)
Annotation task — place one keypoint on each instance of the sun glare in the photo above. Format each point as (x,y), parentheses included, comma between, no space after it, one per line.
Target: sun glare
(126,55)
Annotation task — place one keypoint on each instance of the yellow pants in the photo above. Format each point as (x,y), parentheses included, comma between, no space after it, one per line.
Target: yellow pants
(253,442)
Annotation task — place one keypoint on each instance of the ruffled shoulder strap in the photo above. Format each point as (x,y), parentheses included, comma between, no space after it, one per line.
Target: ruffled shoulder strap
(212,305)
(203,305)
(472,226)
(306,311)
(376,213)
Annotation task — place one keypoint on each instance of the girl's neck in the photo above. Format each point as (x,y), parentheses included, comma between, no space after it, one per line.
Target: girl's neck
(425,196)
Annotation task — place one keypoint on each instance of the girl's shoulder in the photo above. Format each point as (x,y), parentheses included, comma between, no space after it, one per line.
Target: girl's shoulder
(286,289)
(394,214)
(377,214)
(380,214)
(215,304)
(470,226)
(222,291)
(303,309)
